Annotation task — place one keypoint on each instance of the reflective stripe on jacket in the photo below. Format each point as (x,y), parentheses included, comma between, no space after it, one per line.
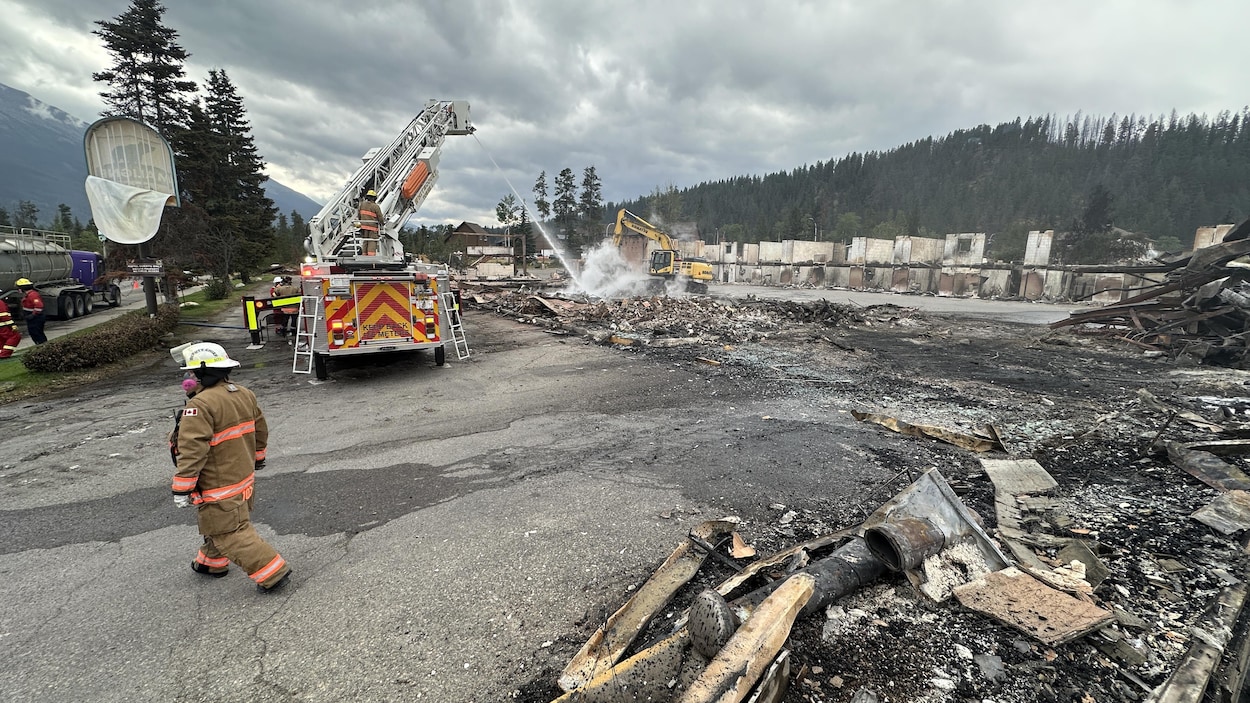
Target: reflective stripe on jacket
(370,215)
(222,433)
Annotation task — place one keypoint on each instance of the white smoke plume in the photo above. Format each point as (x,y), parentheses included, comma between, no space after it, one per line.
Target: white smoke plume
(606,274)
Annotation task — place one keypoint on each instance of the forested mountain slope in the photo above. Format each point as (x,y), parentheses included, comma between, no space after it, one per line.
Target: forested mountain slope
(1165,178)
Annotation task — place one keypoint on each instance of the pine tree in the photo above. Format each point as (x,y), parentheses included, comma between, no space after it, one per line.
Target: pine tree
(27,215)
(242,175)
(590,202)
(565,207)
(526,229)
(146,81)
(541,204)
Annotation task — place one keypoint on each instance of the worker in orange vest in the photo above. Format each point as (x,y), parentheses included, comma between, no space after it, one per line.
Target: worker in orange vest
(9,336)
(370,221)
(32,310)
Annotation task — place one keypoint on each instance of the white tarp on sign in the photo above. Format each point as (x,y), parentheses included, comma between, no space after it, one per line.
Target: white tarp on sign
(125,214)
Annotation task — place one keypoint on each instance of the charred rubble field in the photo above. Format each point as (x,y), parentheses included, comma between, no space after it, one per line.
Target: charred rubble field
(1098,415)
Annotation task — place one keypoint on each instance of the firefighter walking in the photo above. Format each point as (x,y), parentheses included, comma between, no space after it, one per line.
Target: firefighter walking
(9,336)
(218,443)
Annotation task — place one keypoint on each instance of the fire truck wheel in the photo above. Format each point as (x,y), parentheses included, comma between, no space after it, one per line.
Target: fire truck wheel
(440,356)
(319,366)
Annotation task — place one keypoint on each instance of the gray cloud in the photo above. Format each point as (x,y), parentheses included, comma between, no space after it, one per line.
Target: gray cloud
(651,93)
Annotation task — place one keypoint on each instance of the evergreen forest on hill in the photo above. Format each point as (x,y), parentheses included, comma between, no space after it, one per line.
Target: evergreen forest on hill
(1111,187)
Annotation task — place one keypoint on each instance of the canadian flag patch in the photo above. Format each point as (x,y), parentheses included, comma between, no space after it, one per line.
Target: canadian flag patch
(190,412)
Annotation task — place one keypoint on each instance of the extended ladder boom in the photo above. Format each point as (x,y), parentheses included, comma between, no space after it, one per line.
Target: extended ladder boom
(401,173)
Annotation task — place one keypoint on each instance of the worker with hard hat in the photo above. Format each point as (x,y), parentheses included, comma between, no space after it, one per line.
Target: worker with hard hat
(218,443)
(370,218)
(32,310)
(10,337)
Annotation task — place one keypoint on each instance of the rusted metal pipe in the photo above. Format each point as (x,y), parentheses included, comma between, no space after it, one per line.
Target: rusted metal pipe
(903,543)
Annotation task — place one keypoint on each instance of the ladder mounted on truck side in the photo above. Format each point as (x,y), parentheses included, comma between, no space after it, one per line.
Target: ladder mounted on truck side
(452,310)
(305,334)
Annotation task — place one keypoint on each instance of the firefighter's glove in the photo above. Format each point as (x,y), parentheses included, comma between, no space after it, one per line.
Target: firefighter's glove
(182,501)
(260,464)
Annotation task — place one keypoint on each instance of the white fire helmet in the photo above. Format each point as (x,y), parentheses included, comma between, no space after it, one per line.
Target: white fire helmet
(277,279)
(206,354)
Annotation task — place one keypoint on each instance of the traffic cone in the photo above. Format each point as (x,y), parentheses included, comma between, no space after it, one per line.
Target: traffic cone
(135,286)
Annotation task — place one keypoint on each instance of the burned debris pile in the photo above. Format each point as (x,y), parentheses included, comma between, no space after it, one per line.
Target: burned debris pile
(1058,591)
(1200,311)
(670,321)
(1093,549)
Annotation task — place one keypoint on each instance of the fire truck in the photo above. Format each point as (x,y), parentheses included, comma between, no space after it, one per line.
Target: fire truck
(358,297)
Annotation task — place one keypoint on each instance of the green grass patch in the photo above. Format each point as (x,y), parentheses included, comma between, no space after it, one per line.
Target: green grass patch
(97,344)
(197,307)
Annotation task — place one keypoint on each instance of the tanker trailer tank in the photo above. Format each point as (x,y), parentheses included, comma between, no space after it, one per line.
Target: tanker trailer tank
(44,258)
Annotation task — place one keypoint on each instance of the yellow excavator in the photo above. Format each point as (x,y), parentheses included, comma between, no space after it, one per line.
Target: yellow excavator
(666,263)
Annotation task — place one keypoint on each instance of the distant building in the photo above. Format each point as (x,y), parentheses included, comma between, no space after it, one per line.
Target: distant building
(471,234)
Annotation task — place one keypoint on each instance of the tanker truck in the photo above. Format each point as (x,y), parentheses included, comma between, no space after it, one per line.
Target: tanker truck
(66,279)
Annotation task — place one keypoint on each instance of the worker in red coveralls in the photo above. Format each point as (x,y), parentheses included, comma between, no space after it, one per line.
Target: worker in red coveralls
(32,310)
(9,336)
(218,443)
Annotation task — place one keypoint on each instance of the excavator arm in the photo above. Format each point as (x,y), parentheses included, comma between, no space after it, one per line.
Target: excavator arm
(628,220)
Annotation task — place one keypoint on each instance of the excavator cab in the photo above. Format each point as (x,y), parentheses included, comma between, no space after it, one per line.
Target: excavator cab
(662,263)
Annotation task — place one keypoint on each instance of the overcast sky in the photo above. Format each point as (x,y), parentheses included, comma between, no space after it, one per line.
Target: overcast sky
(651,93)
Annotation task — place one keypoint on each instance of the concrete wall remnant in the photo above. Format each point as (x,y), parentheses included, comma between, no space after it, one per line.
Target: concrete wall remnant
(750,254)
(1037,250)
(1206,236)
(866,250)
(964,249)
(1056,284)
(838,276)
(958,282)
(771,252)
(918,250)
(805,252)
(995,283)
(1108,288)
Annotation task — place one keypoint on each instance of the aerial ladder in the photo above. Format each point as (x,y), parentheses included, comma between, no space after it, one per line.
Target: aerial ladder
(402,174)
(666,263)
(355,302)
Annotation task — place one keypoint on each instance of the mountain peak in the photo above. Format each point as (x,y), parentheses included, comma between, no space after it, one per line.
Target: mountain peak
(12,99)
